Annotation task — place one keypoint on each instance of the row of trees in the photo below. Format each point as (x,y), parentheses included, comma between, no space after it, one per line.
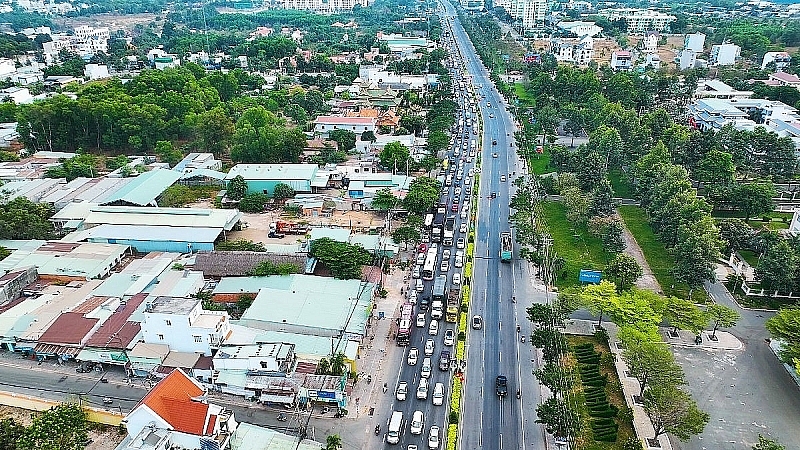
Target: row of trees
(69,419)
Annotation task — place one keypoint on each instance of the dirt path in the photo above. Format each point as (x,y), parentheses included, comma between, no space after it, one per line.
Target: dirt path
(647,280)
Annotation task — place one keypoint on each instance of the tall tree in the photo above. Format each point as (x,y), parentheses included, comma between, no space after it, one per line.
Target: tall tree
(685,315)
(384,200)
(736,234)
(721,316)
(778,267)
(623,270)
(599,299)
(753,199)
(237,188)
(345,139)
(422,194)
(696,252)
(283,191)
(394,156)
(767,444)
(785,325)
(652,364)
(558,418)
(673,411)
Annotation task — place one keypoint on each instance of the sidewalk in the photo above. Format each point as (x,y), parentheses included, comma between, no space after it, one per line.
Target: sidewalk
(630,386)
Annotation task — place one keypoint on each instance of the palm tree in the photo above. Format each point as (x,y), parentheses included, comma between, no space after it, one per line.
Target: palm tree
(333,442)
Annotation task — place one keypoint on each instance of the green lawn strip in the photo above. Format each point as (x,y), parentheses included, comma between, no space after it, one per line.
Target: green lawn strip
(658,258)
(613,390)
(774,215)
(522,94)
(750,256)
(620,184)
(575,244)
(540,164)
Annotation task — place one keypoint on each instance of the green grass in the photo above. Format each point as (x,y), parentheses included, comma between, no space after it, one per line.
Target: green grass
(620,184)
(540,164)
(576,245)
(660,261)
(585,440)
(775,220)
(749,256)
(525,98)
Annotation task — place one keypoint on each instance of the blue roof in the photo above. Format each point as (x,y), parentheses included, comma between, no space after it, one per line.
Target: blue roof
(144,189)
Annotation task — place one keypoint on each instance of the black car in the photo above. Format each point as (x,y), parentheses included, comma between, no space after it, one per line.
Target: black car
(501,385)
(424,302)
(444,360)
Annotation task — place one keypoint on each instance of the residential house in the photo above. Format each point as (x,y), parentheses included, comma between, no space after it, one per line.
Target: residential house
(622,60)
(695,42)
(183,325)
(782,60)
(724,54)
(784,79)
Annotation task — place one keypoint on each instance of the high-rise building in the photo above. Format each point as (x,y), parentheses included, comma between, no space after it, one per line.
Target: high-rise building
(530,12)
(695,42)
(473,5)
(640,20)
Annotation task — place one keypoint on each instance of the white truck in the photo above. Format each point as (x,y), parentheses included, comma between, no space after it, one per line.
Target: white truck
(395,427)
(437,309)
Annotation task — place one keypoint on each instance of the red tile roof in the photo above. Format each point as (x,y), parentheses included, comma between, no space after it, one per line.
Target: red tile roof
(346,120)
(69,328)
(117,331)
(171,399)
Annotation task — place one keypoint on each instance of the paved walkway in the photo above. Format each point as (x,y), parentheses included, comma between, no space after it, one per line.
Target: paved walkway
(647,280)
(630,386)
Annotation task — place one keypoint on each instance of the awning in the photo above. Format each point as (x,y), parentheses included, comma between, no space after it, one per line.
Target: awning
(56,350)
(272,398)
(73,224)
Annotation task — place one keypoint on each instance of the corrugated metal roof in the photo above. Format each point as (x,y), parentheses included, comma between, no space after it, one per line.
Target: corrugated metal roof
(276,172)
(154,233)
(208,173)
(174,217)
(336,234)
(144,189)
(117,331)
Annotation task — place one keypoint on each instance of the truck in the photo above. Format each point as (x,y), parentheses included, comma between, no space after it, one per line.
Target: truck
(505,247)
(281,227)
(453,305)
(438,225)
(449,224)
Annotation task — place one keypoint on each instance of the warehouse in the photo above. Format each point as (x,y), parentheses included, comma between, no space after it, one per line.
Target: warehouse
(263,178)
(159,238)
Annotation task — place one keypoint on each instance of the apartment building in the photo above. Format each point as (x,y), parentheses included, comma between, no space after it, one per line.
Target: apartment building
(640,20)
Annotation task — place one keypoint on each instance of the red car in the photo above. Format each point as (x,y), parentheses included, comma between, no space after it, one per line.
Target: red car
(454,208)
(422,248)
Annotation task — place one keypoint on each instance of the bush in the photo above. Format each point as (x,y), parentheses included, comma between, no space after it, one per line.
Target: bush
(452,434)
(632,443)
(253,202)
(462,335)
(453,418)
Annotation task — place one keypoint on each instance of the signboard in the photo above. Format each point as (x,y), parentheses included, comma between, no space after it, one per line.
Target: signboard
(590,276)
(326,394)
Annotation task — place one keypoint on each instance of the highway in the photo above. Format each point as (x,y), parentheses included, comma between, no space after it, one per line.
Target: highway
(489,421)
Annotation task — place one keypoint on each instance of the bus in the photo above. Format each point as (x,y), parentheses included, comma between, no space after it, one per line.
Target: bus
(406,322)
(429,268)
(439,287)
(395,428)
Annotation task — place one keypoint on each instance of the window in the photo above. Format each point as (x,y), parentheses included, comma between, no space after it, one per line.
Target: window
(169,323)
(198,338)
(160,337)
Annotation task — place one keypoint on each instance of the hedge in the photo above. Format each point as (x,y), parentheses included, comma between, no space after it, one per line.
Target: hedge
(455,398)
(452,432)
(460,350)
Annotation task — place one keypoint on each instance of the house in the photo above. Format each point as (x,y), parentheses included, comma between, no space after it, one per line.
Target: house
(109,343)
(178,405)
(18,95)
(695,42)
(686,59)
(718,89)
(580,28)
(67,260)
(183,325)
(95,71)
(652,61)
(323,125)
(782,60)
(724,54)
(785,79)
(263,178)
(621,60)
(80,216)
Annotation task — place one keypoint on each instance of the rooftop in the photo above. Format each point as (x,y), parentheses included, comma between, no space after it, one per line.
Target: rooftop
(273,171)
(172,305)
(68,328)
(337,120)
(336,234)
(83,260)
(144,189)
(172,400)
(153,233)
(252,437)
(173,217)
(117,331)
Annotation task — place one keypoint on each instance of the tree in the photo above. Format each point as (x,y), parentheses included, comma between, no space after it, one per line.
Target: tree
(599,298)
(368,136)
(283,191)
(551,341)
(253,202)
(652,364)
(721,316)
(406,235)
(577,204)
(167,153)
(673,411)
(777,268)
(394,156)
(609,230)
(558,418)
(623,270)
(342,259)
(602,203)
(70,421)
(557,378)
(213,130)
(736,234)
(414,124)
(696,252)
(384,200)
(716,167)
(785,325)
(685,315)
(753,199)
(767,444)
(422,194)
(345,139)
(10,433)
(591,170)
(333,442)
(237,188)
(437,141)
(25,220)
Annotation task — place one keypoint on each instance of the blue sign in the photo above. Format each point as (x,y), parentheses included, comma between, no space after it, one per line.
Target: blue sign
(590,276)
(326,394)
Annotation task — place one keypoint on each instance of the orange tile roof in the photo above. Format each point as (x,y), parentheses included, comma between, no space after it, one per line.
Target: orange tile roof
(171,399)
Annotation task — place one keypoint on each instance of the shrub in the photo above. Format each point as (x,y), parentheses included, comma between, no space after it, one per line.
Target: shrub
(452,434)
(453,418)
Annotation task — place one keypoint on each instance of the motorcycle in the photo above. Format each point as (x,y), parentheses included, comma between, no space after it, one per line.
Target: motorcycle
(517,328)
(519,394)
(523,339)
(369,379)
(281,417)
(377,430)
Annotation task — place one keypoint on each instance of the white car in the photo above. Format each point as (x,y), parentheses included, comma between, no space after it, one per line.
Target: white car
(459,244)
(429,346)
(502,178)
(417,423)
(445,266)
(433,329)
(433,438)
(446,254)
(402,391)
(421,320)
(449,337)
(438,394)
(462,228)
(417,272)
(425,373)
(420,286)
(463,217)
(413,356)
(456,279)
(422,389)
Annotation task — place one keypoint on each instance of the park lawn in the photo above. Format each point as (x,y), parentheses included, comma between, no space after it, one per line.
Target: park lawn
(620,184)
(658,258)
(576,245)
(585,440)
(749,256)
(525,98)
(539,164)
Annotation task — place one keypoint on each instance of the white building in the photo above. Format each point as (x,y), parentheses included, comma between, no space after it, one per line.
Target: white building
(718,89)
(322,6)
(96,71)
(686,59)
(649,43)
(622,60)
(724,54)
(358,125)
(651,60)
(640,20)
(580,28)
(184,325)
(18,95)
(473,5)
(695,42)
(530,12)
(274,357)
(781,60)
(577,51)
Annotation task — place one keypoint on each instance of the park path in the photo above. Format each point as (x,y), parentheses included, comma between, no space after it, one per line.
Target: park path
(647,280)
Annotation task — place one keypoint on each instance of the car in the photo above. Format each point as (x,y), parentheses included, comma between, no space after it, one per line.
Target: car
(446,254)
(502,178)
(421,320)
(477,322)
(412,447)
(421,286)
(422,248)
(459,244)
(438,394)
(429,347)
(402,391)
(494,195)
(433,438)
(456,279)
(454,208)
(422,389)
(413,356)
(416,273)
(463,214)
(420,259)
(424,303)
(462,228)
(449,337)
(417,422)
(501,385)
(433,328)
(494,141)
(412,297)
(425,372)
(459,176)
(434,247)
(445,266)
(444,361)
(491,116)
(457,191)
(494,155)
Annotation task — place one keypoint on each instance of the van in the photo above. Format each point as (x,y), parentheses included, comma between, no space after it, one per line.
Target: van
(438,394)
(395,425)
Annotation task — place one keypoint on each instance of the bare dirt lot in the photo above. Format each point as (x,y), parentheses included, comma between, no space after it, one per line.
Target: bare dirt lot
(114,22)
(103,438)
